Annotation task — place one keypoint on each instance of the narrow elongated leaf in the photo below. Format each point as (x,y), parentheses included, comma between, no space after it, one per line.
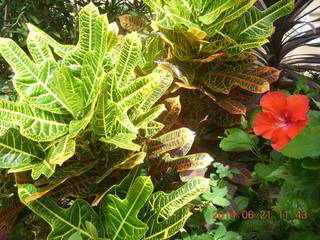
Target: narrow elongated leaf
(60,49)
(231,14)
(176,143)
(188,162)
(121,215)
(156,5)
(78,187)
(61,175)
(132,23)
(64,222)
(123,140)
(126,163)
(17,150)
(34,123)
(232,106)
(76,126)
(169,117)
(250,78)
(165,79)
(9,211)
(92,70)
(87,37)
(38,48)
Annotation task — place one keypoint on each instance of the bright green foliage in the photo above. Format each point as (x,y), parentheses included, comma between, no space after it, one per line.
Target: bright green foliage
(83,112)
(64,222)
(63,96)
(306,143)
(237,24)
(238,140)
(119,217)
(208,42)
(17,150)
(167,214)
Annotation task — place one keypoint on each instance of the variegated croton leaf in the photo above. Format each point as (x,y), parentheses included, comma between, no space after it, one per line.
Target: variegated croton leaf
(207,42)
(121,215)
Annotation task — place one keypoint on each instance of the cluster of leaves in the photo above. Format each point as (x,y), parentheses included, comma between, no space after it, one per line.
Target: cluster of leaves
(87,113)
(81,116)
(291,32)
(208,47)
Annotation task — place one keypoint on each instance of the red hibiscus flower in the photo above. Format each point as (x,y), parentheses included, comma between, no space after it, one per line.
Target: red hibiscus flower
(282,118)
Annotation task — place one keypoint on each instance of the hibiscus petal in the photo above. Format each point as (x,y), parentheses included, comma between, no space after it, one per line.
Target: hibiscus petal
(264,124)
(298,107)
(274,102)
(279,139)
(296,127)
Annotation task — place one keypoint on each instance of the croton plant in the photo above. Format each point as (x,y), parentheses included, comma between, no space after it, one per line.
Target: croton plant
(91,144)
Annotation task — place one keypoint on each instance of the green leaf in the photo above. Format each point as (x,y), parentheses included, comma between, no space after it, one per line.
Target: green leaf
(69,90)
(237,141)
(4,126)
(120,189)
(39,49)
(255,25)
(60,49)
(75,236)
(252,78)
(189,162)
(312,164)
(38,168)
(87,37)
(61,175)
(169,117)
(123,141)
(32,82)
(16,150)
(270,172)
(208,214)
(120,216)
(64,222)
(168,215)
(62,150)
(76,126)
(34,123)
(215,9)
(305,144)
(119,95)
(176,143)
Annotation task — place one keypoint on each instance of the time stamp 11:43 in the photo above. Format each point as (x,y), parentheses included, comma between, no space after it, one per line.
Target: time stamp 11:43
(262,214)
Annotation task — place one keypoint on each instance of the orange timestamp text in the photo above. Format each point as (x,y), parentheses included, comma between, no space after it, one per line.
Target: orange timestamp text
(261,214)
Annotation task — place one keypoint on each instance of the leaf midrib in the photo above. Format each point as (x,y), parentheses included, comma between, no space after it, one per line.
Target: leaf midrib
(262,19)
(39,81)
(18,150)
(61,218)
(34,118)
(129,212)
